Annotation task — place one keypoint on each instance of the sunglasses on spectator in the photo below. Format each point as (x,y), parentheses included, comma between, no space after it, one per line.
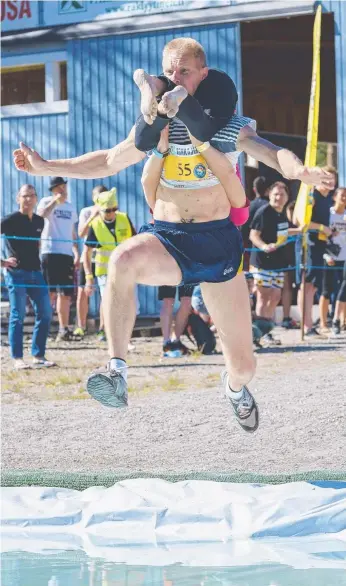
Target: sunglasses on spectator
(109,210)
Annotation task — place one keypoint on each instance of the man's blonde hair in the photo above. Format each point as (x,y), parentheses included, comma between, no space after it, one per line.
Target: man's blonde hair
(186,46)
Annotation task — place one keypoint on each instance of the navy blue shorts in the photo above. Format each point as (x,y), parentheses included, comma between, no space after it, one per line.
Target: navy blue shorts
(206,252)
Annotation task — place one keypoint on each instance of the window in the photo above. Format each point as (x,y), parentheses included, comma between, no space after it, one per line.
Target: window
(63,80)
(23,85)
(34,84)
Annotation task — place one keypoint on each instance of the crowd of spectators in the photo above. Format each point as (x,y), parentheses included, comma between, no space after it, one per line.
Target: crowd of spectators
(43,257)
(274,267)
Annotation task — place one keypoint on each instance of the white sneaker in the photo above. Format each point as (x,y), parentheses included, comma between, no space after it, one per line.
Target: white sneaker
(42,362)
(19,364)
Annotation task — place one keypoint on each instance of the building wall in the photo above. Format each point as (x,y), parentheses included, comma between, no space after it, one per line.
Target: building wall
(49,134)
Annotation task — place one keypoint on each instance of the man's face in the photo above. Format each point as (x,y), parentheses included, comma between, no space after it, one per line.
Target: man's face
(108,215)
(27,199)
(278,198)
(340,197)
(60,190)
(184,70)
(322,189)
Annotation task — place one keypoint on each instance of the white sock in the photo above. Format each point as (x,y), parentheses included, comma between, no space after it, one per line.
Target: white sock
(120,365)
(236,394)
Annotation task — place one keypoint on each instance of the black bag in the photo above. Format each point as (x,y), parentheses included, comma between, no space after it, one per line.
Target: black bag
(333,248)
(200,333)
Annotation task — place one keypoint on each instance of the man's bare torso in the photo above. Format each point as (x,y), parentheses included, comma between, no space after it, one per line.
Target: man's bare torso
(191,205)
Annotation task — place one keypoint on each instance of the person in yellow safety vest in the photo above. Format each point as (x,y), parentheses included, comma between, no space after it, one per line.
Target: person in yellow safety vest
(108,229)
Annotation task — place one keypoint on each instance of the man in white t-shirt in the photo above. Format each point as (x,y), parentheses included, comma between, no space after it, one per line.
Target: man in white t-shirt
(334,277)
(86,216)
(59,249)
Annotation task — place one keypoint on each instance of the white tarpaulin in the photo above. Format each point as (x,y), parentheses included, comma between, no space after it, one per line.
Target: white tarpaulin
(153,521)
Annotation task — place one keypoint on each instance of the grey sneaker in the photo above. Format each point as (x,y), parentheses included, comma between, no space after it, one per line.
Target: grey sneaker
(270,341)
(108,387)
(245,408)
(336,328)
(311,332)
(64,336)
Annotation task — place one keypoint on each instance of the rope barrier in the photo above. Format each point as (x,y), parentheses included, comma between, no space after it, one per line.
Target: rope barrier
(80,240)
(32,238)
(57,286)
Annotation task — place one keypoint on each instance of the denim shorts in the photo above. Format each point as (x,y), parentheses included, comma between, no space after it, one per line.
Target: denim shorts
(197,301)
(206,252)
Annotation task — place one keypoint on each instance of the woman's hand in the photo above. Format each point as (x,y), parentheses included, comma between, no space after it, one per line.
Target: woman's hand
(9,263)
(89,287)
(163,144)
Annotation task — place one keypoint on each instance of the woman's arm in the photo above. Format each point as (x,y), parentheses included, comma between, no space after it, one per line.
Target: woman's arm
(89,278)
(83,228)
(225,172)
(152,171)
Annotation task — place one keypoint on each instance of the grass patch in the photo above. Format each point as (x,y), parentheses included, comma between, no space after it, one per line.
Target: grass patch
(339,359)
(173,383)
(214,377)
(17,388)
(63,379)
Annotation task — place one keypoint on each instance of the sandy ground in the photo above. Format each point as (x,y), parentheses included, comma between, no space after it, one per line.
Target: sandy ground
(178,419)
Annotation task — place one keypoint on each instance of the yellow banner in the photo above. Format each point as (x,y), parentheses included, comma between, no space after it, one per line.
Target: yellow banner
(303,207)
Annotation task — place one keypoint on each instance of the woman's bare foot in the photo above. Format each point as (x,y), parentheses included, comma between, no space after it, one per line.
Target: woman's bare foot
(147,87)
(171,101)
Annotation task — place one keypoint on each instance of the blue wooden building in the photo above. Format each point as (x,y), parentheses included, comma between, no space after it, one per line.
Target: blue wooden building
(67,78)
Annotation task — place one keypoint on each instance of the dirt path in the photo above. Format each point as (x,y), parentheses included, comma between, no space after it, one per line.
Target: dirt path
(178,419)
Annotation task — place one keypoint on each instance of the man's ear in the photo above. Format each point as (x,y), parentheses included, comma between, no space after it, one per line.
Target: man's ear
(205,72)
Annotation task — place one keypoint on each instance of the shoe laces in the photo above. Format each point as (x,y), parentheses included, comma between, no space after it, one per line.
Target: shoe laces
(244,406)
(115,372)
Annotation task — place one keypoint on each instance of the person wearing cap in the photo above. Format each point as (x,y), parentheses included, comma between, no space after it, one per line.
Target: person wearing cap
(86,216)
(60,255)
(22,231)
(107,230)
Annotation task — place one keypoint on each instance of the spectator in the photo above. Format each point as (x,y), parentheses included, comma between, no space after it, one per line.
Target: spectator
(261,198)
(24,277)
(86,217)
(108,229)
(172,345)
(334,260)
(198,304)
(269,233)
(260,188)
(322,202)
(287,291)
(59,254)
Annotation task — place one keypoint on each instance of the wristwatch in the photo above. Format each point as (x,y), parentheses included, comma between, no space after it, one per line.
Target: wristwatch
(158,154)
